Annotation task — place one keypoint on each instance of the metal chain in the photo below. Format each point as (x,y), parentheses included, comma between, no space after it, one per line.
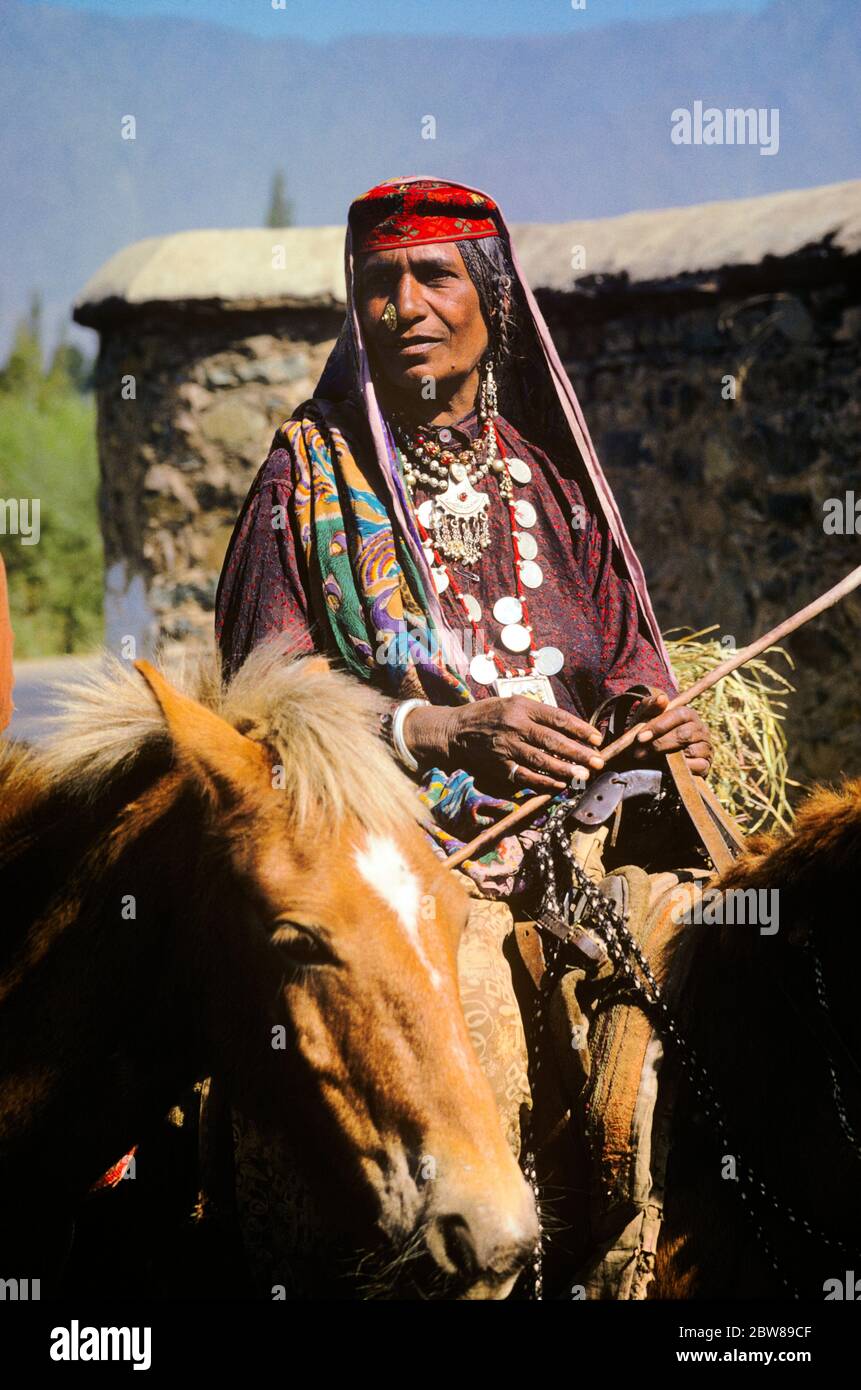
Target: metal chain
(553,970)
(602,916)
(549,980)
(836,1092)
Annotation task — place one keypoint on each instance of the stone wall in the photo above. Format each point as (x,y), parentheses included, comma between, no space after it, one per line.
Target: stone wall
(179,458)
(724,497)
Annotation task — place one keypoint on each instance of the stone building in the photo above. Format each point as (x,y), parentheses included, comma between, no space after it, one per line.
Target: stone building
(715,350)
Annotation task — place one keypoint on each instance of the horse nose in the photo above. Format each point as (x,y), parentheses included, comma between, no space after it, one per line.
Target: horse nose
(477,1245)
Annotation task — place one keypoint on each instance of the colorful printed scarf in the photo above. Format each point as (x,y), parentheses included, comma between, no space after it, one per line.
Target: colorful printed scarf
(371,602)
(371,596)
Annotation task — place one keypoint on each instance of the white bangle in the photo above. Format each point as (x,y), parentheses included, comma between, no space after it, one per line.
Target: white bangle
(400,746)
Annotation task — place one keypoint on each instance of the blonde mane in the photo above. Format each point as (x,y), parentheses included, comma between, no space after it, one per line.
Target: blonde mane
(321,725)
(21,774)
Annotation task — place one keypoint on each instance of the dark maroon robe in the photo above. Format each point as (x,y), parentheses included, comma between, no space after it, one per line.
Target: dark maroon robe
(585,606)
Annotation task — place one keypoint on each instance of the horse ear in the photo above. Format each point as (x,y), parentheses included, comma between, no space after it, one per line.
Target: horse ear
(212,746)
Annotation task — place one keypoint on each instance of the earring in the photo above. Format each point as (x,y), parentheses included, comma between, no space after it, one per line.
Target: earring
(488,404)
(390,317)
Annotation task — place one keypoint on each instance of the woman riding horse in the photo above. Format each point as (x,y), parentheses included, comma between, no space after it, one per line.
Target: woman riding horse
(435,519)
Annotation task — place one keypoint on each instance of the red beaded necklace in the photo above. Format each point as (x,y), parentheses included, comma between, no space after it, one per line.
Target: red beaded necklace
(486,666)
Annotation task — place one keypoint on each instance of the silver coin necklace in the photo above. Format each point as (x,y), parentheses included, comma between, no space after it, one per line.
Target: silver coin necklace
(510,611)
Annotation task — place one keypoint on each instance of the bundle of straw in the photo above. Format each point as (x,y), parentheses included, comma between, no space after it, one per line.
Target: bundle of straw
(744,714)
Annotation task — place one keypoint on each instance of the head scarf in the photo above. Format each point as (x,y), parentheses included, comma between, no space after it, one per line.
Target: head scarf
(419,211)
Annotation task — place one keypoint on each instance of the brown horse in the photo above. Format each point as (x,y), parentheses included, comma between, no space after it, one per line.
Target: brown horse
(241,888)
(773,1018)
(761,1197)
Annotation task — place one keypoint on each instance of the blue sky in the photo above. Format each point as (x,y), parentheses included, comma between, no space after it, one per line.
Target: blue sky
(327,19)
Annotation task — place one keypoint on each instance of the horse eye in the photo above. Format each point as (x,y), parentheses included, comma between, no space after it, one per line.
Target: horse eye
(302,944)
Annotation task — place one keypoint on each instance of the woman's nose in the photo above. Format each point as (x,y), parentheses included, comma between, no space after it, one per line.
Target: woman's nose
(409,300)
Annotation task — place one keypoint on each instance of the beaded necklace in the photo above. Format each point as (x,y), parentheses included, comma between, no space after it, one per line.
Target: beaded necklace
(456,517)
(512,612)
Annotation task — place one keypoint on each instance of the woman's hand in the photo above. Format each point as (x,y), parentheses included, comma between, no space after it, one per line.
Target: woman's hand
(679,729)
(507,742)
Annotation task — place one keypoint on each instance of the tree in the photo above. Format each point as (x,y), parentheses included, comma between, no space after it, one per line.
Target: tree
(280,212)
(48,455)
(35,320)
(22,375)
(70,369)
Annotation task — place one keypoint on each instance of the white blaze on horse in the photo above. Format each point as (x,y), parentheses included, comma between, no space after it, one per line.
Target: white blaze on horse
(185,883)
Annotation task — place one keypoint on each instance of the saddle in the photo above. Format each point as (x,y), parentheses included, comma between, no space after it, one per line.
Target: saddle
(616,1093)
(626,1097)
(615,1080)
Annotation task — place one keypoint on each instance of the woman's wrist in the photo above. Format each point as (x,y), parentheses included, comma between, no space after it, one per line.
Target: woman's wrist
(425,732)
(417,732)
(402,751)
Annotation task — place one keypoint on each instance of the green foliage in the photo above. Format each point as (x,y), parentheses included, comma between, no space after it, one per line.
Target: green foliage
(22,375)
(48,451)
(69,369)
(280,212)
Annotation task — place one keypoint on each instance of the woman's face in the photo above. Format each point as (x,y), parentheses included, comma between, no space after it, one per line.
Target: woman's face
(440,334)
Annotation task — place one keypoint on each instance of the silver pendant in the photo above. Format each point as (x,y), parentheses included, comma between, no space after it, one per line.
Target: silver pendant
(429,554)
(473,608)
(524,513)
(531,574)
(457,520)
(527,545)
(482,668)
(460,497)
(515,637)
(549,661)
(519,470)
(534,687)
(440,579)
(508,610)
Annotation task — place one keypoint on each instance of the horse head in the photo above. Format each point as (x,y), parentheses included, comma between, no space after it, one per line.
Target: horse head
(319,886)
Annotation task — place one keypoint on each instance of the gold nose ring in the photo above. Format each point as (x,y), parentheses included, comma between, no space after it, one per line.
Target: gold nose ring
(390,317)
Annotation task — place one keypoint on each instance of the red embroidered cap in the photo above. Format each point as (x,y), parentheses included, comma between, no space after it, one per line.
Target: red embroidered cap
(417,214)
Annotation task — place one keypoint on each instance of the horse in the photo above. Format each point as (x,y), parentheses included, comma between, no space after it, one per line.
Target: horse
(760,1192)
(233,882)
(773,1019)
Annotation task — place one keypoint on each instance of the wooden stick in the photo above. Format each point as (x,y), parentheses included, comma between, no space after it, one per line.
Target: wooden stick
(529,809)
